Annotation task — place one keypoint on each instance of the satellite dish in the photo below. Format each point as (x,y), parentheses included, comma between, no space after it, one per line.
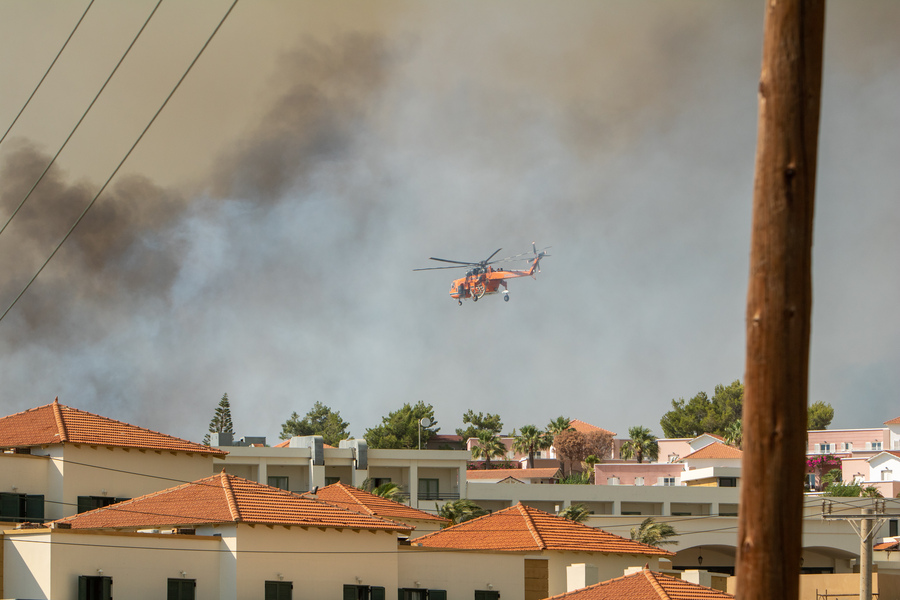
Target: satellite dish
(425,422)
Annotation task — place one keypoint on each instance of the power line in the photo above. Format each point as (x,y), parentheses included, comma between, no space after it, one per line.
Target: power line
(74,129)
(47,72)
(116,170)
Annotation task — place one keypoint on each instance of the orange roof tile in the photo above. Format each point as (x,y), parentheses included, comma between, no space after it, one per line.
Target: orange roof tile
(286,443)
(645,585)
(225,498)
(59,424)
(525,529)
(886,546)
(579,425)
(357,500)
(715,450)
(893,421)
(541,473)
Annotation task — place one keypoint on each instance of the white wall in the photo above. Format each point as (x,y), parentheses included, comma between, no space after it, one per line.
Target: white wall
(460,573)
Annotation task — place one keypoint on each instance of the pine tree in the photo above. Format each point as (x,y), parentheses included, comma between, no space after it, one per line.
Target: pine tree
(221,421)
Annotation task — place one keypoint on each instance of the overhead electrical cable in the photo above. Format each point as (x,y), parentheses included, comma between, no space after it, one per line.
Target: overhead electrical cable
(119,166)
(74,129)
(24,106)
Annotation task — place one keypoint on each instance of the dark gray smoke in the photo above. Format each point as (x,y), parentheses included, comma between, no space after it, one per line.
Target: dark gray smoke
(621,134)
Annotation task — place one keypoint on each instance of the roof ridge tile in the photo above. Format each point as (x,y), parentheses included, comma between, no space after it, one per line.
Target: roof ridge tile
(529,522)
(656,584)
(230,497)
(60,422)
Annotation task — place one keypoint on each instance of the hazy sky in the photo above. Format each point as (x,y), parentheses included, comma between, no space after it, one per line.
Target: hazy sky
(262,238)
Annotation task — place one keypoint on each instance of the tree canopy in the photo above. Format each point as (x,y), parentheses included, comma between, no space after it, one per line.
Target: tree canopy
(819,416)
(558,425)
(320,420)
(641,443)
(221,421)
(400,429)
(571,448)
(654,534)
(460,511)
(479,422)
(704,415)
(530,441)
(489,446)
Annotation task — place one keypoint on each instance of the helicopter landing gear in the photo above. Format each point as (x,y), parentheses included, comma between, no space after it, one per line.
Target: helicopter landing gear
(474,297)
(460,302)
(506,297)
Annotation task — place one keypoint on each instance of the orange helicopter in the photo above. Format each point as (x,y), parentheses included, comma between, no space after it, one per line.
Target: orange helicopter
(482,279)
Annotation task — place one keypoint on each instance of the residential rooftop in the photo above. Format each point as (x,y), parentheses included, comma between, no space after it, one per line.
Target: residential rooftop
(522,528)
(225,498)
(57,423)
(645,585)
(715,450)
(360,501)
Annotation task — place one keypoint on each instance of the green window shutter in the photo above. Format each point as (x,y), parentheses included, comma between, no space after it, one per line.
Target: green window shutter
(82,587)
(350,592)
(85,503)
(9,507)
(377,593)
(172,589)
(437,594)
(106,585)
(34,508)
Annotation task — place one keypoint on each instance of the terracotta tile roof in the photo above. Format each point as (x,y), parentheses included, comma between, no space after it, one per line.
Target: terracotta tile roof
(357,500)
(225,498)
(886,546)
(715,450)
(645,585)
(524,529)
(539,473)
(59,424)
(579,425)
(893,421)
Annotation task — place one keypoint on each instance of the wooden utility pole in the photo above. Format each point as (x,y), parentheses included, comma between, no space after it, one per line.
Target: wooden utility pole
(779,302)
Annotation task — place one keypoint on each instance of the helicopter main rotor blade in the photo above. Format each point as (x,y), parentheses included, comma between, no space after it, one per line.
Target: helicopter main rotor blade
(436,268)
(486,261)
(458,262)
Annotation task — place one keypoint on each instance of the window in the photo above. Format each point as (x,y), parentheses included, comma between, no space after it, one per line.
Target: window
(429,489)
(811,481)
(279,481)
(19,508)
(727,481)
(420,594)
(668,481)
(876,446)
(86,503)
(278,590)
(330,480)
(826,448)
(363,592)
(887,475)
(380,481)
(848,445)
(180,589)
(638,481)
(94,588)
(487,595)
(612,480)
(892,528)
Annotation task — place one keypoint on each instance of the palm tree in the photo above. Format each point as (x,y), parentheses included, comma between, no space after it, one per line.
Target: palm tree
(589,461)
(641,443)
(389,491)
(734,434)
(653,534)
(489,446)
(558,425)
(460,511)
(531,440)
(575,512)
